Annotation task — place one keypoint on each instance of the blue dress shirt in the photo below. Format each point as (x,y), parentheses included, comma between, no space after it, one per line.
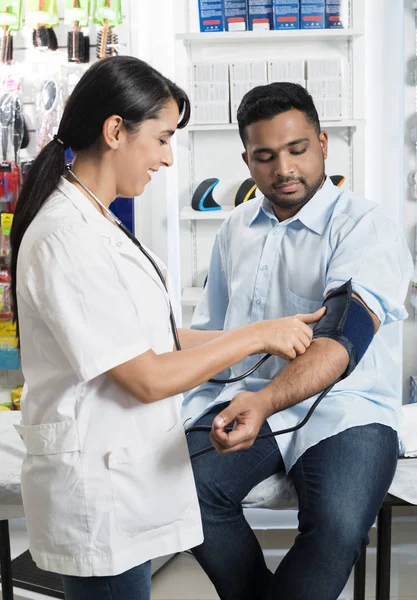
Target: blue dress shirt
(264,269)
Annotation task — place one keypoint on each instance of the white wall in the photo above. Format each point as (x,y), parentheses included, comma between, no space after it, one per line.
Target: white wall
(409,206)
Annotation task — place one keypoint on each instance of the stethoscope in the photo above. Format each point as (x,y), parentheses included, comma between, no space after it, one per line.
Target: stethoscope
(174,328)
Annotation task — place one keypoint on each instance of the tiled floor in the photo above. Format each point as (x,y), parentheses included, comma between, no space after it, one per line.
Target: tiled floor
(182,578)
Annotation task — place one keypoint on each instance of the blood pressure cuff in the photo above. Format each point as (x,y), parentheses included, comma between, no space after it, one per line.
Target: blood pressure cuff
(348,322)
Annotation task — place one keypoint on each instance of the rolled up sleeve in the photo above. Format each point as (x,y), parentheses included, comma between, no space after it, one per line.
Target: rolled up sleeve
(374,254)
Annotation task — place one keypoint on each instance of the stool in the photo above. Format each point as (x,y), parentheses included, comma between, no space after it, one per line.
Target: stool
(383,554)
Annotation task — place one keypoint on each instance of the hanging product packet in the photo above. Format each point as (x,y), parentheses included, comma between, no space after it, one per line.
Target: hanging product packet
(41,12)
(42,16)
(12,128)
(10,21)
(50,95)
(107,10)
(107,14)
(77,13)
(11,14)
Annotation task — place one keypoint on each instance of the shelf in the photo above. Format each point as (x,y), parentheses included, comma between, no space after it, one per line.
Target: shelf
(191,296)
(189,214)
(353,123)
(225,37)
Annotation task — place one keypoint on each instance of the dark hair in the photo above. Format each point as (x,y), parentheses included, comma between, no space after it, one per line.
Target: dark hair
(268,101)
(120,85)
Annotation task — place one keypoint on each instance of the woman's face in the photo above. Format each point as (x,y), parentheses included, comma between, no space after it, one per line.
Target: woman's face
(143,153)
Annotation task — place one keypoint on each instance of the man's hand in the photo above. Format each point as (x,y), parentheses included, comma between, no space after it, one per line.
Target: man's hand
(248,410)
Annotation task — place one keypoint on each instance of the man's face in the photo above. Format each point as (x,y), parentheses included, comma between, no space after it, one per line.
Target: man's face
(285,156)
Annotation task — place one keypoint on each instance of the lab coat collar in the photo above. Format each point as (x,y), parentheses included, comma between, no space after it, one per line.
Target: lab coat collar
(122,244)
(314,215)
(84,206)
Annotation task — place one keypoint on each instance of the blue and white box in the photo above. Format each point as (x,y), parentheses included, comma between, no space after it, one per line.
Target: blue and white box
(211,15)
(261,15)
(326,82)
(235,15)
(312,14)
(337,14)
(244,76)
(210,93)
(286,14)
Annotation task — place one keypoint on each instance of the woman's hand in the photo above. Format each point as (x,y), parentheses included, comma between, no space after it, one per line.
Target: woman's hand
(288,337)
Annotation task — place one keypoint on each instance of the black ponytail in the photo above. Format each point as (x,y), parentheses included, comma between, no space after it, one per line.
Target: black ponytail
(120,85)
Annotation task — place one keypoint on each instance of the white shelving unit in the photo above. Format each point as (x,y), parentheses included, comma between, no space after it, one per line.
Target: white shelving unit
(214,150)
(336,124)
(226,37)
(189,214)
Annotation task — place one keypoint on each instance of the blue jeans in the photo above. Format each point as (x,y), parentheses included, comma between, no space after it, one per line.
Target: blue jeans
(340,483)
(134,584)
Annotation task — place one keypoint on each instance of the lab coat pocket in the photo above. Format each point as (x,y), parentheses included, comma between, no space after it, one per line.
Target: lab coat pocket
(52,486)
(297,304)
(145,483)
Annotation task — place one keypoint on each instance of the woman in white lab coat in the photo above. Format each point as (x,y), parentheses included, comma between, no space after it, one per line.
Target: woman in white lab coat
(107,483)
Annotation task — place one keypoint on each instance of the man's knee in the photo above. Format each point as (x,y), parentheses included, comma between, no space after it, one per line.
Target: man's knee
(338,531)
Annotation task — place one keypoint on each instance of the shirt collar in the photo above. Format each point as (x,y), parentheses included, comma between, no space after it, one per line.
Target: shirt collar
(314,215)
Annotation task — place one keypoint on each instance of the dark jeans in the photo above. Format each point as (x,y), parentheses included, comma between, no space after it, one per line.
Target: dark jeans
(340,483)
(134,584)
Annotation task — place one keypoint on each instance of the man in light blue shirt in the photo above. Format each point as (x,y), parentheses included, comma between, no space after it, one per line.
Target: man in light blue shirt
(277,256)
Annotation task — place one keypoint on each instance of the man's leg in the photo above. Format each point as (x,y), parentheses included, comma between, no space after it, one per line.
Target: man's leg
(230,554)
(341,484)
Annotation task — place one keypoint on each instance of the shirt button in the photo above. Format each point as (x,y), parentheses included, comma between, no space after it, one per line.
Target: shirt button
(258,302)
(119,244)
(264,268)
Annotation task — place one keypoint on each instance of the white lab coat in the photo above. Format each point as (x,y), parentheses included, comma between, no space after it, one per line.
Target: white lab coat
(107,481)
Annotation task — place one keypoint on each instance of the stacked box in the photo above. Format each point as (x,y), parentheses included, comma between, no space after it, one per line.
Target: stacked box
(312,14)
(337,14)
(326,83)
(245,76)
(235,15)
(211,15)
(260,15)
(286,14)
(287,70)
(210,93)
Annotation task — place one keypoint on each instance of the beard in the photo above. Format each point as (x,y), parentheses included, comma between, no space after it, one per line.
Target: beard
(290,201)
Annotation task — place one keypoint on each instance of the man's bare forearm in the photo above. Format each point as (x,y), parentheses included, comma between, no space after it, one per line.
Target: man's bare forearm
(323,363)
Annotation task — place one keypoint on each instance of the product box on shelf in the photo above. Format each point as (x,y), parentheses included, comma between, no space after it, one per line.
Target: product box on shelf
(235,15)
(312,14)
(260,15)
(326,83)
(337,14)
(245,76)
(286,14)
(292,70)
(210,93)
(211,15)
